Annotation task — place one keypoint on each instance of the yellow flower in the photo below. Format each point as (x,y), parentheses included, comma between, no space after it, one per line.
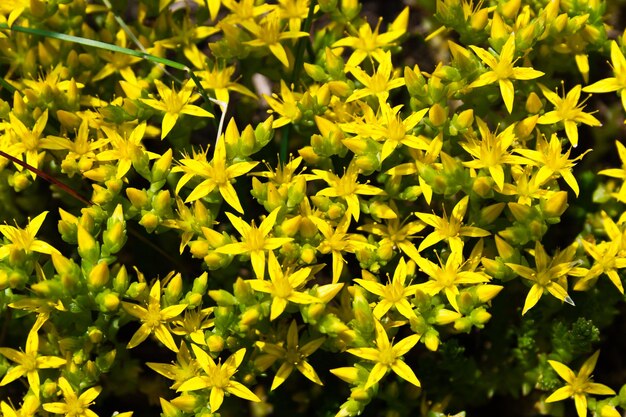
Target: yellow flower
(287,109)
(174,104)
(550,161)
(550,274)
(388,357)
(371,44)
(616,83)
(393,294)
(217,174)
(116,62)
(27,141)
(126,150)
(193,324)
(283,286)
(390,129)
(448,277)
(396,234)
(617,172)
(29,362)
(607,260)
(154,319)
(377,84)
(184,369)
(293,356)
(217,378)
(451,229)
(503,71)
(269,34)
(578,386)
(186,37)
(219,80)
(29,408)
(347,188)
(24,239)
(255,241)
(74,405)
(337,242)
(567,111)
(491,152)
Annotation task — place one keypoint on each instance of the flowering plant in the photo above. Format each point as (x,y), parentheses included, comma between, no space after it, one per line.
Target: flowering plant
(202,197)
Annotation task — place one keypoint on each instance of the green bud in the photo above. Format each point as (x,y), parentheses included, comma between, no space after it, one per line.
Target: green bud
(200,283)
(463,324)
(162,203)
(480,316)
(121,280)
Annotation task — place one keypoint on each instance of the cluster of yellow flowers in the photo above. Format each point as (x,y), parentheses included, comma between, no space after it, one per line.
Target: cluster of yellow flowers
(403,205)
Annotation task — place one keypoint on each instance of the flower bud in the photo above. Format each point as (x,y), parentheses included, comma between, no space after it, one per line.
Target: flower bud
(479,19)
(138,198)
(556,205)
(223,298)
(215,343)
(121,280)
(88,248)
(150,221)
(444,316)
(480,316)
(161,167)
(174,289)
(487,292)
(463,324)
(431,340)
(98,276)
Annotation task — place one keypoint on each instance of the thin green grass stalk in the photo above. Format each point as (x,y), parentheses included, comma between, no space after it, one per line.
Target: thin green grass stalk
(295,75)
(5,84)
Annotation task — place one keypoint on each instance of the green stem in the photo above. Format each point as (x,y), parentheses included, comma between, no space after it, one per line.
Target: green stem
(295,75)
(6,85)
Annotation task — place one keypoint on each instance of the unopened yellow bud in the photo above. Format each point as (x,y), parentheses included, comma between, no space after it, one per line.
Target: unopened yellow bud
(510,8)
(444,316)
(150,221)
(98,276)
(162,166)
(479,19)
(95,335)
(490,213)
(111,302)
(215,343)
(249,317)
(307,255)
(463,325)
(138,198)
(556,205)
(482,186)
(480,316)
(521,212)
(505,250)
(498,27)
(87,245)
(186,403)
(487,292)
(174,288)
(431,340)
(466,118)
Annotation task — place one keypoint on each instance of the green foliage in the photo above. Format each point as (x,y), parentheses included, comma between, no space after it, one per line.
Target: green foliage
(267,208)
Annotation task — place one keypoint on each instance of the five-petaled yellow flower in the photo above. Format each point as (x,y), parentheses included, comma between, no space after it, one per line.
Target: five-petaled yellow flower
(74,405)
(450,229)
(388,357)
(24,239)
(29,362)
(283,286)
(216,174)
(174,104)
(154,319)
(578,386)
(393,294)
(293,356)
(217,378)
(255,240)
(448,277)
(503,71)
(549,274)
(567,111)
(347,188)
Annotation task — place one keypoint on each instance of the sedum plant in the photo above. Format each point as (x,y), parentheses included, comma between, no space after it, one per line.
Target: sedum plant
(240,207)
